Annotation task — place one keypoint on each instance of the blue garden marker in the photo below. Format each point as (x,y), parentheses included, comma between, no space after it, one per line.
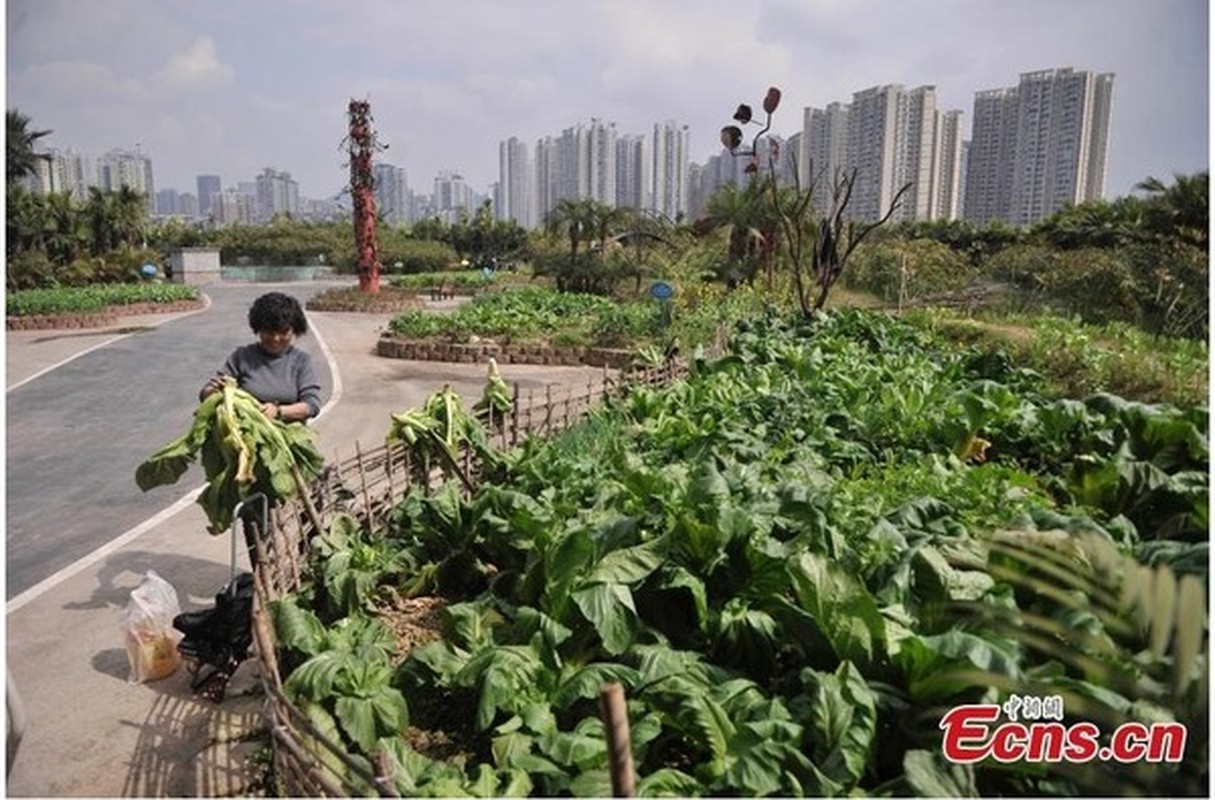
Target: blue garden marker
(148,271)
(661,290)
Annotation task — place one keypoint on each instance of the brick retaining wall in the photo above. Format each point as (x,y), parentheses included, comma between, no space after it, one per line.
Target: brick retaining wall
(479,353)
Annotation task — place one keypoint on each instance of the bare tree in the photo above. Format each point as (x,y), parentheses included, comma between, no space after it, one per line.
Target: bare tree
(818,245)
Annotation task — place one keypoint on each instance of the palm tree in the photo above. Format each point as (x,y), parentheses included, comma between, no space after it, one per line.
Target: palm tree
(1179,210)
(22,160)
(749,227)
(130,216)
(102,215)
(67,230)
(572,219)
(23,220)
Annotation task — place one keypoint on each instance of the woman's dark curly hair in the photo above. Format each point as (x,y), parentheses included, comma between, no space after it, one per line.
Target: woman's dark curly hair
(275,311)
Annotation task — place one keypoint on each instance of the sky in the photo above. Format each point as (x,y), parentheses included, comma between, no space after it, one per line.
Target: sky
(230,87)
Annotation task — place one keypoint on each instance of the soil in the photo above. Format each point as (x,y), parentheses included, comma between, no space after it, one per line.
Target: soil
(441,726)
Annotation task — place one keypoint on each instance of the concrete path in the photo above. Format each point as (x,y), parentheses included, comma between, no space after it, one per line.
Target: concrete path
(89,732)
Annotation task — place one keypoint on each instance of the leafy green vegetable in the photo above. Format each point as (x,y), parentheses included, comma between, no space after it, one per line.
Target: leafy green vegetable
(243,452)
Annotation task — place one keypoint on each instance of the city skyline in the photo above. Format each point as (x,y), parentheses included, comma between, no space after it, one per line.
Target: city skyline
(192,85)
(890,134)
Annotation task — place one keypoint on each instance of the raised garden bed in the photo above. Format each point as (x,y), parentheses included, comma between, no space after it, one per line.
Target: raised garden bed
(106,318)
(387,300)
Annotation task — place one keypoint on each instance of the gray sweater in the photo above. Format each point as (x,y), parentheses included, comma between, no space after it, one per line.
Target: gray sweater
(286,378)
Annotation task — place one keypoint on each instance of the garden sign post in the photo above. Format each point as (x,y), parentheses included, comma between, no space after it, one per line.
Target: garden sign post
(663,292)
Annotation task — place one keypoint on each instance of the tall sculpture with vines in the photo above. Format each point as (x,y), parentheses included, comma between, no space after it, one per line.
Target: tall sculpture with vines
(818,245)
(362,143)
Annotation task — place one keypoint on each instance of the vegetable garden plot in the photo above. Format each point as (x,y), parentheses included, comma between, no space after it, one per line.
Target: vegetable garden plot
(796,561)
(312,761)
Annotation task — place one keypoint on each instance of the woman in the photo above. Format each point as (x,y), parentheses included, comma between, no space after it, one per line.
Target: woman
(282,378)
(272,369)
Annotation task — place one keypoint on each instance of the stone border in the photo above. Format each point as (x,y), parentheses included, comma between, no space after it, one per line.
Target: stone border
(426,350)
(98,319)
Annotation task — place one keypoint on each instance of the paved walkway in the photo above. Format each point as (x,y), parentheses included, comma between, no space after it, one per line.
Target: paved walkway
(88,731)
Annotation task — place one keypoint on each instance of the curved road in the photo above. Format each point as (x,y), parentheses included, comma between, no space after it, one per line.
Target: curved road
(76,434)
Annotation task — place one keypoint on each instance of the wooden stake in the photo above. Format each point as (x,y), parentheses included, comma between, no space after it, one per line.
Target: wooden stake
(620,751)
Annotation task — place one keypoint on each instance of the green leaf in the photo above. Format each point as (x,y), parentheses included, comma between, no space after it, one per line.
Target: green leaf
(845,611)
(170,462)
(929,775)
(297,628)
(510,746)
(939,666)
(575,749)
(690,708)
(327,729)
(592,783)
(409,767)
(609,607)
(843,723)
(668,782)
(586,682)
(315,678)
(507,676)
(765,758)
(564,561)
(469,625)
(630,564)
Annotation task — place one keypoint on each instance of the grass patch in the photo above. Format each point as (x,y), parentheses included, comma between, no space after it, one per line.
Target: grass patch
(1079,359)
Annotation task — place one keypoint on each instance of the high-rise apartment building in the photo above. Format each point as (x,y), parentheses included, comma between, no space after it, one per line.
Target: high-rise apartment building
(873,147)
(600,165)
(132,169)
(948,177)
(890,137)
(545,180)
(235,206)
(634,184)
(277,193)
(671,170)
(515,199)
(208,185)
(580,164)
(391,192)
(451,197)
(823,151)
(1040,146)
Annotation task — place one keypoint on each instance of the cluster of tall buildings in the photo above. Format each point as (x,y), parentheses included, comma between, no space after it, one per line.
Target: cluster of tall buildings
(68,171)
(593,161)
(1033,149)
(270,194)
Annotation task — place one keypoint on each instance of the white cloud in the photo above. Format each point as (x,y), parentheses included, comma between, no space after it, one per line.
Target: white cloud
(195,68)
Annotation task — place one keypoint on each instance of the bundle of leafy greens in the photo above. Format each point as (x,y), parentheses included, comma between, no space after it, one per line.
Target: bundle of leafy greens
(244,453)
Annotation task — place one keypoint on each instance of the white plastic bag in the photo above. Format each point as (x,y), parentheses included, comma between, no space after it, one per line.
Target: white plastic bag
(147,625)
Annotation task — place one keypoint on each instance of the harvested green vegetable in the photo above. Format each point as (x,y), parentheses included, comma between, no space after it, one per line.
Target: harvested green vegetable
(497,395)
(243,453)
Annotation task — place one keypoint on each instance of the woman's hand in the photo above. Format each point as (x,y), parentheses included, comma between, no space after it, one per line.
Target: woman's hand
(212,386)
(271,410)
